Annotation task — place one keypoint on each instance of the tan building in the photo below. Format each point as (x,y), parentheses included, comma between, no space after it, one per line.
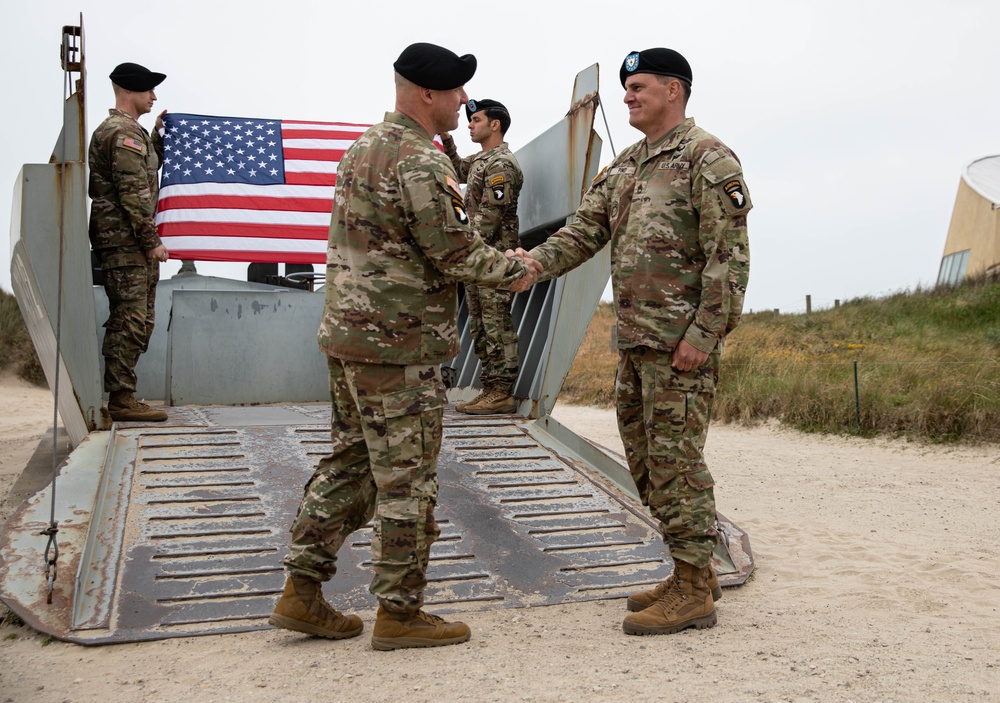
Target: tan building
(973,244)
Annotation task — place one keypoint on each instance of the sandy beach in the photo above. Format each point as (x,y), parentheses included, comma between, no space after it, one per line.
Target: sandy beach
(876,580)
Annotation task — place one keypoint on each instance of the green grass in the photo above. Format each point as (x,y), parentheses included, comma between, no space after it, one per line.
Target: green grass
(16,350)
(928,367)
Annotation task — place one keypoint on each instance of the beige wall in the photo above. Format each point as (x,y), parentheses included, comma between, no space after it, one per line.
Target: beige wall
(975,226)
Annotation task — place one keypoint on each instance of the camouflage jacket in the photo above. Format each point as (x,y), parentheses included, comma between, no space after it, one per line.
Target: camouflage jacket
(124,160)
(399,240)
(675,212)
(494,182)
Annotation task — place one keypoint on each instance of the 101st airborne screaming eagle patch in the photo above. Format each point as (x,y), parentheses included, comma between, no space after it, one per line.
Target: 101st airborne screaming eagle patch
(734,189)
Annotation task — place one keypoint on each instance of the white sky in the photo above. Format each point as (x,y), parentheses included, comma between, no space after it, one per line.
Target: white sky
(853,120)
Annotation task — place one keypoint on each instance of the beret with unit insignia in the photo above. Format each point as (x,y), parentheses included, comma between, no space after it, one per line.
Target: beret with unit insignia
(661,62)
(494,110)
(132,76)
(432,66)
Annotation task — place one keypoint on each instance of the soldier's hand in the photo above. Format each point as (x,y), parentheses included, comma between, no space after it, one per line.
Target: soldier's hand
(533,264)
(686,357)
(160,253)
(159,121)
(523,283)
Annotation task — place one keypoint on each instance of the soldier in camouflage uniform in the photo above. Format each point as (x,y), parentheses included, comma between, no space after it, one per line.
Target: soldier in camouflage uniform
(399,241)
(674,208)
(494,182)
(124,160)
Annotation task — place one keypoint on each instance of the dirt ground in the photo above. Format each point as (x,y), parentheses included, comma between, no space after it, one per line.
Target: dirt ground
(876,580)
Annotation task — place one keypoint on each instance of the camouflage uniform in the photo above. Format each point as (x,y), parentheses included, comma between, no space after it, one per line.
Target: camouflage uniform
(494,183)
(399,239)
(675,213)
(124,160)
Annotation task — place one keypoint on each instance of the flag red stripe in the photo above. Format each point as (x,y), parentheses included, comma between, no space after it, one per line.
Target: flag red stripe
(232,229)
(315,154)
(310,179)
(245,202)
(319,134)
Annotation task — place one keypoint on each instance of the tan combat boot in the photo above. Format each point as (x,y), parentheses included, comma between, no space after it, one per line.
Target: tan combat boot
(420,629)
(641,601)
(123,407)
(686,602)
(493,403)
(460,407)
(302,608)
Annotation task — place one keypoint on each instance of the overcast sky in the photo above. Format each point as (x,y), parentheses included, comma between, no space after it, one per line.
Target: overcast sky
(853,120)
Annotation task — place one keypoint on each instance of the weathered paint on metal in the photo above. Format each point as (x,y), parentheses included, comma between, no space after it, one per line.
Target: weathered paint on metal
(242,348)
(22,568)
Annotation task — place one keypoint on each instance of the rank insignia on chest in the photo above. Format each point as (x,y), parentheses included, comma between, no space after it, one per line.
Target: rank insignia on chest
(498,193)
(132,143)
(459,209)
(734,189)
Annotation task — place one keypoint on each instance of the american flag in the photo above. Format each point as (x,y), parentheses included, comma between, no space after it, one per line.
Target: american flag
(237,189)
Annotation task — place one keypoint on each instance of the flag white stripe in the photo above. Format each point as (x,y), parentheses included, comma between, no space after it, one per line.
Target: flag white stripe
(299,166)
(248,190)
(285,127)
(265,217)
(316,143)
(222,244)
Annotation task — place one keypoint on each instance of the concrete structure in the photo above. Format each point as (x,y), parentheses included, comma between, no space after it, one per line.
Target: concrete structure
(973,244)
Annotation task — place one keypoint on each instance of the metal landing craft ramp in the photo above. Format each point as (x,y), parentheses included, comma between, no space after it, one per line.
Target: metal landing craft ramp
(183,531)
(179,528)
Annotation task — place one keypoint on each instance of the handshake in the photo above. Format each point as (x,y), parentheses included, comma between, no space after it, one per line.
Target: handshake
(531,277)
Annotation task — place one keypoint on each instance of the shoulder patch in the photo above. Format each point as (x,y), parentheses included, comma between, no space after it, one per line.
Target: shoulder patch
(133,143)
(453,184)
(496,180)
(734,189)
(458,207)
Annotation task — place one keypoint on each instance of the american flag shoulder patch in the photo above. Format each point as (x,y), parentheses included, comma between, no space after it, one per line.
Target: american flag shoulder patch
(132,143)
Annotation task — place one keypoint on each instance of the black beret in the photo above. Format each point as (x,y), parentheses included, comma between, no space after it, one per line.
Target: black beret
(661,62)
(132,76)
(434,67)
(489,106)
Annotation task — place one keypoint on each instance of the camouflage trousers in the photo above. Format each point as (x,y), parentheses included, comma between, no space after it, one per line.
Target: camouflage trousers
(386,435)
(132,306)
(493,336)
(663,419)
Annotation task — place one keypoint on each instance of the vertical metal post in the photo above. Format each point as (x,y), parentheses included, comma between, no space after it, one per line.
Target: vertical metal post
(857,399)
(809,304)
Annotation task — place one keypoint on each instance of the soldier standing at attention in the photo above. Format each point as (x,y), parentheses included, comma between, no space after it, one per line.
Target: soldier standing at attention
(674,208)
(399,241)
(494,182)
(124,160)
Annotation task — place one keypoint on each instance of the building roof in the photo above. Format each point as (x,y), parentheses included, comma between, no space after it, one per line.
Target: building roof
(983,176)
